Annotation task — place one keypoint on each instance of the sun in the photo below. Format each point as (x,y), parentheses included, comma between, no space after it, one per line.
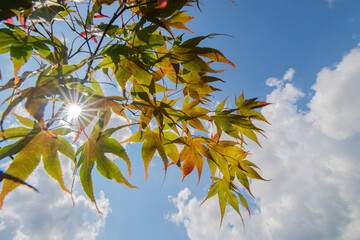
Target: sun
(73,111)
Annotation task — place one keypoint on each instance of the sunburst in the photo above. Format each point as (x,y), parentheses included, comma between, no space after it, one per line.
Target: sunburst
(77,107)
(73,111)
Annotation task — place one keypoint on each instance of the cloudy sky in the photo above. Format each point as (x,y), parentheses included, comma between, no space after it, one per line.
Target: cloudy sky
(304,58)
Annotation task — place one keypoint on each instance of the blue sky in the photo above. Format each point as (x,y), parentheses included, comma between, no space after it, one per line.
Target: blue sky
(302,56)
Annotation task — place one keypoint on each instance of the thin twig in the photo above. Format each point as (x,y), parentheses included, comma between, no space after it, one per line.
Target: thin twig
(117,13)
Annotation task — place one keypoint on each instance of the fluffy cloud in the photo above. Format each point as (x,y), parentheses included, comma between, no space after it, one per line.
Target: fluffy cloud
(121,134)
(315,190)
(335,106)
(50,214)
(203,222)
(288,76)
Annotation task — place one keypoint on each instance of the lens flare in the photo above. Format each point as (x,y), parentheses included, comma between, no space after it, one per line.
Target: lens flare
(73,111)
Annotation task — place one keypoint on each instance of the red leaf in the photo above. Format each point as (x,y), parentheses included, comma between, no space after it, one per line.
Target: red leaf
(23,22)
(10,20)
(100,16)
(162,3)
(83,34)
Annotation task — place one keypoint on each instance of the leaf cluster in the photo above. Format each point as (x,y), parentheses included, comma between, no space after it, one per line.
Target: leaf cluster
(166,83)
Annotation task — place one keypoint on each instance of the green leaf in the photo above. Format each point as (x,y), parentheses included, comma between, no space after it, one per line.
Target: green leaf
(96,87)
(85,175)
(13,149)
(148,150)
(212,54)
(192,42)
(221,163)
(16,132)
(46,13)
(44,51)
(221,105)
(51,160)
(251,173)
(172,152)
(19,55)
(241,176)
(212,166)
(222,203)
(178,20)
(36,107)
(108,132)
(110,145)
(65,147)
(159,147)
(123,72)
(136,137)
(6,36)
(109,170)
(91,152)
(15,179)
(196,64)
(154,71)
(232,199)
(62,131)
(244,202)
(212,192)
(25,121)
(250,134)
(149,38)
(80,87)
(22,166)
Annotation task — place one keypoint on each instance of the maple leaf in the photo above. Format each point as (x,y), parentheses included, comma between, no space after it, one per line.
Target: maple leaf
(166,92)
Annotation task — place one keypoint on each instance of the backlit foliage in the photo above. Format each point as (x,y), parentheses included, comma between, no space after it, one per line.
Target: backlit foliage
(166,87)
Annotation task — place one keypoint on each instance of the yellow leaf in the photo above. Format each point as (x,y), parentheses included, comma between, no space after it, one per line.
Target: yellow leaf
(22,166)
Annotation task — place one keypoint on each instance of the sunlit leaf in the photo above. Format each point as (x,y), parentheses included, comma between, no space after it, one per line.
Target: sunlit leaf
(19,54)
(22,166)
(15,179)
(50,158)
(138,66)
(148,150)
(110,145)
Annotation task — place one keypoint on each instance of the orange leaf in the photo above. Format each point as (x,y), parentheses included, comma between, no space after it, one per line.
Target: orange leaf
(186,155)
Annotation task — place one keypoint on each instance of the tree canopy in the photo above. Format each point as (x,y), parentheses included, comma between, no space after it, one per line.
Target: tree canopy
(60,49)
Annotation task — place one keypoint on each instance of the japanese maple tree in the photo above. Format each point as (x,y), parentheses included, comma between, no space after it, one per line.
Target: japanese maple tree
(166,81)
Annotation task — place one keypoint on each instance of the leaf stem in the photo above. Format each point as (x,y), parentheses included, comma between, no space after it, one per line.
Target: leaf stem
(117,13)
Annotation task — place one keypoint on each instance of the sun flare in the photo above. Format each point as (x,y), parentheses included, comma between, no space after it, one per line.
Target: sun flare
(73,111)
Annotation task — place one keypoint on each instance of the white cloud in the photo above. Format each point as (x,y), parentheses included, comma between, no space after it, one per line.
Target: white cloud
(315,190)
(20,110)
(122,134)
(335,106)
(50,214)
(203,222)
(288,76)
